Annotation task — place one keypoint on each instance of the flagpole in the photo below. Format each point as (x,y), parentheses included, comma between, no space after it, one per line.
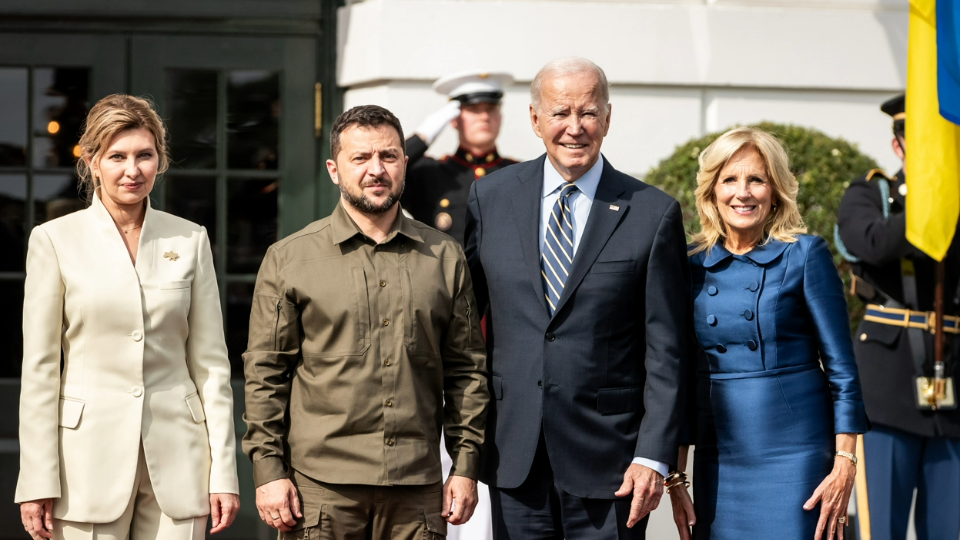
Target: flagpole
(938,365)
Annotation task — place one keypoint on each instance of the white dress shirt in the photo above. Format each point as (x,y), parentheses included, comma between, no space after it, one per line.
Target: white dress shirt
(581,201)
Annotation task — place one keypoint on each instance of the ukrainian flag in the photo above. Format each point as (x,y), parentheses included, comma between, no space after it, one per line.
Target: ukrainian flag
(933,143)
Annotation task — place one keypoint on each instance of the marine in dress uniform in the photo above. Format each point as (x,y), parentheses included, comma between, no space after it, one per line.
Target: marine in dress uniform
(437,190)
(909,447)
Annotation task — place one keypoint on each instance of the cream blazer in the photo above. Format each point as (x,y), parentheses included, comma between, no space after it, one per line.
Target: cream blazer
(144,359)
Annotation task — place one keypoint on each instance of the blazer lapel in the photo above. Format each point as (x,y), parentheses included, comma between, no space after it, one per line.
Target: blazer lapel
(526,206)
(602,222)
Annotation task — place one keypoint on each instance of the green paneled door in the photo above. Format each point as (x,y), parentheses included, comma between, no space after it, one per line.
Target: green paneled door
(240,113)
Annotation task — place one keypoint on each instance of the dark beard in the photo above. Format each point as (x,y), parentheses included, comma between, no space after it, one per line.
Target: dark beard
(363,204)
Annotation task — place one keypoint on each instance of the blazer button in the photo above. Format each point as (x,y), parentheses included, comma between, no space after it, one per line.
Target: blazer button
(748,315)
(137,391)
(711,290)
(551,337)
(721,349)
(137,335)
(754,286)
(752,345)
(539,384)
(712,320)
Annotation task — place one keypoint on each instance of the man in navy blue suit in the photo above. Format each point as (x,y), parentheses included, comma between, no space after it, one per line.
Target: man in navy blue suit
(584,270)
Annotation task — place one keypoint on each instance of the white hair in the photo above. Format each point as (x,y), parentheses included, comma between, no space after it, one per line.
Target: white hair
(567,66)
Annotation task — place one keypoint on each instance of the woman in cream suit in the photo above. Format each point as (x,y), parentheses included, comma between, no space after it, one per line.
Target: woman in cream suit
(135,437)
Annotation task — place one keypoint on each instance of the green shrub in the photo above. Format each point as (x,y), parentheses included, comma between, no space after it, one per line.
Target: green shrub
(824,166)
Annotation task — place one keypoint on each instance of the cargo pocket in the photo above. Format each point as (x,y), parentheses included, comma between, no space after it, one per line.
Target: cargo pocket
(70,412)
(196,408)
(435,527)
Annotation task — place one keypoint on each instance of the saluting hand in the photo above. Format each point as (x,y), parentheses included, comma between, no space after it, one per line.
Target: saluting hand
(279,504)
(646,485)
(37,518)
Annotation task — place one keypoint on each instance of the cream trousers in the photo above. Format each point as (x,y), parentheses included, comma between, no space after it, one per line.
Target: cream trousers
(142,519)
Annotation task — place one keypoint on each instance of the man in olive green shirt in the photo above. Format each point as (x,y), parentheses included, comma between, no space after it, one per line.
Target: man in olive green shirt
(364,343)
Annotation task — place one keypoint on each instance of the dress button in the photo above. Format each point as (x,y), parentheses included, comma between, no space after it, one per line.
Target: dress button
(383,283)
(748,315)
(711,290)
(721,349)
(551,337)
(712,320)
(752,345)
(137,391)
(137,335)
(754,286)
(863,337)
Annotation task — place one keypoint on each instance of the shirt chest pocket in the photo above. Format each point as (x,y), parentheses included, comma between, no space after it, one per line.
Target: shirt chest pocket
(427,307)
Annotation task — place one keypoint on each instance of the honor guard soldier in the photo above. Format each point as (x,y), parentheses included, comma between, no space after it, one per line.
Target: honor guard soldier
(437,190)
(915,441)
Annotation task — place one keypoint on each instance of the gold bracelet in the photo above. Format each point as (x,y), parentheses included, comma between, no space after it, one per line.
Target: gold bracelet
(675,479)
(848,455)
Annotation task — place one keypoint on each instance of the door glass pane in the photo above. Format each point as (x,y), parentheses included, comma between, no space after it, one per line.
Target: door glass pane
(194,198)
(191,111)
(13,215)
(251,222)
(13,111)
(11,325)
(239,301)
(253,119)
(55,195)
(59,108)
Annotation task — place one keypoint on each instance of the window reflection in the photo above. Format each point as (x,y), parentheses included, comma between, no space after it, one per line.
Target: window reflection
(13,210)
(251,222)
(239,301)
(55,196)
(191,110)
(59,107)
(11,317)
(13,111)
(253,119)
(194,198)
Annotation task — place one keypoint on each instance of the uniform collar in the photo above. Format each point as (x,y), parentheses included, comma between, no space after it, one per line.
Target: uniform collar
(762,254)
(477,160)
(344,228)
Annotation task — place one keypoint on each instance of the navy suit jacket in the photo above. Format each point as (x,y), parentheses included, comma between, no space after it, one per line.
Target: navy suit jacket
(604,376)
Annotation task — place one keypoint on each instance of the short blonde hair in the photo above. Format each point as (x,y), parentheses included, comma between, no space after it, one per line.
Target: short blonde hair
(784,222)
(110,116)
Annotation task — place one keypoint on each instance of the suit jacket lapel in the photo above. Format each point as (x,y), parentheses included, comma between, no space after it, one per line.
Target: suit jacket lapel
(526,206)
(602,222)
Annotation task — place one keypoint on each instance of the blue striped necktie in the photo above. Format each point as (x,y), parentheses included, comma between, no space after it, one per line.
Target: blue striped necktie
(557,257)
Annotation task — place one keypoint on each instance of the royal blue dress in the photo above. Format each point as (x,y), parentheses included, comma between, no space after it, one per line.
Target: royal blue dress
(766,413)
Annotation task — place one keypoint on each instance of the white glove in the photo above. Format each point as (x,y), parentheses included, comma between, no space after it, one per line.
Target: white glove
(432,125)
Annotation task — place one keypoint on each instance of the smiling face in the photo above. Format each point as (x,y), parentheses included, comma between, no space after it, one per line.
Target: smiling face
(127,168)
(744,195)
(572,120)
(369,168)
(479,126)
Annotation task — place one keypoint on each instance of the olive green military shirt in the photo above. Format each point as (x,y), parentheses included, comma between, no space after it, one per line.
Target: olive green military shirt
(360,353)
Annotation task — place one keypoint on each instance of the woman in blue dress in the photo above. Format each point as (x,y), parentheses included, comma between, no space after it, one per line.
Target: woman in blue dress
(778,402)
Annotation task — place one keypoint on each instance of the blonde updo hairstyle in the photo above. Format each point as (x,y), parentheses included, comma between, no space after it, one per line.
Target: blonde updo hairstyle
(784,221)
(110,116)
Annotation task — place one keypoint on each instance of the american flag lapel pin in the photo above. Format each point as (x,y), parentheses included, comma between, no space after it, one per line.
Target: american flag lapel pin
(615,208)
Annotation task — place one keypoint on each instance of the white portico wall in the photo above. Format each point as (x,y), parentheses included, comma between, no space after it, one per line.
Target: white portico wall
(677,69)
